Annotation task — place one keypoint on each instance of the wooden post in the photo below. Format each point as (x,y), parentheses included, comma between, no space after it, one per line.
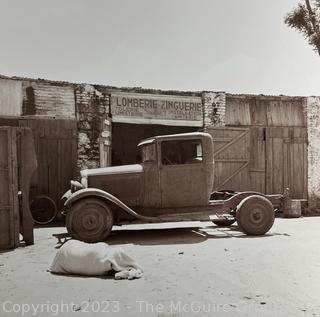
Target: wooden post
(27,163)
(286,202)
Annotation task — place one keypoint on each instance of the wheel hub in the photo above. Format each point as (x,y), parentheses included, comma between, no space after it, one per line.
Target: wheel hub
(89,222)
(256,216)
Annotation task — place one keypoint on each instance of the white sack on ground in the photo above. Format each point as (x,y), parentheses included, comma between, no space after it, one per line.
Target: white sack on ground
(77,257)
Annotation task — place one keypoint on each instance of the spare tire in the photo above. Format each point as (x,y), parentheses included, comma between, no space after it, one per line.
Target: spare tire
(43,209)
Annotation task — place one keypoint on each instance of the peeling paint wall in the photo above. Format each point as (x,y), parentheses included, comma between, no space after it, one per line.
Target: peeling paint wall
(92,107)
(214,109)
(313,122)
(10,97)
(48,99)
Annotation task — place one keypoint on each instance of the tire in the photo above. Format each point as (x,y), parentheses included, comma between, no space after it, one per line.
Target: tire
(255,215)
(43,209)
(89,220)
(224,222)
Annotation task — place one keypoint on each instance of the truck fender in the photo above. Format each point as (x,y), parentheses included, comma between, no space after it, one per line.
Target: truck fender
(95,192)
(237,198)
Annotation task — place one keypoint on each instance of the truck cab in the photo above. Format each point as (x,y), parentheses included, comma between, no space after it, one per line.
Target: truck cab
(178,170)
(175,171)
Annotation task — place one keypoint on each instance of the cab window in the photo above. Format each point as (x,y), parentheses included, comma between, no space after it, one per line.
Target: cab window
(181,152)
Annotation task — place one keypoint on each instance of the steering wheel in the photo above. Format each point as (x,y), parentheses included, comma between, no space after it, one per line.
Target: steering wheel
(166,161)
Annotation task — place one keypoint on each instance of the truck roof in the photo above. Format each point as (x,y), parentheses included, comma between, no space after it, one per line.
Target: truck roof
(179,136)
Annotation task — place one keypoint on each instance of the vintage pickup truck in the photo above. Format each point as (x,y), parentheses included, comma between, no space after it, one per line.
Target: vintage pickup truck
(173,183)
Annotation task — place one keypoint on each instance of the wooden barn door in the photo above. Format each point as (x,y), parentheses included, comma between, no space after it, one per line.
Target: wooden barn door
(286,150)
(9,205)
(56,149)
(231,157)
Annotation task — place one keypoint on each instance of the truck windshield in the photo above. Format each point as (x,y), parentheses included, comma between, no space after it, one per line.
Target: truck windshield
(148,153)
(181,152)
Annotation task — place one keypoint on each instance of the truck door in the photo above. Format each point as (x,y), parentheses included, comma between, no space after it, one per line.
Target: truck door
(182,173)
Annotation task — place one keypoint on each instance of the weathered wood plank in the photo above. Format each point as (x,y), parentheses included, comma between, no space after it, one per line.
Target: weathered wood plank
(9,208)
(287,161)
(231,155)
(27,165)
(56,149)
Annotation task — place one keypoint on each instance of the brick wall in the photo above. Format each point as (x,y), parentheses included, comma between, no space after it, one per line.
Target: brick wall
(92,107)
(313,122)
(214,109)
(48,99)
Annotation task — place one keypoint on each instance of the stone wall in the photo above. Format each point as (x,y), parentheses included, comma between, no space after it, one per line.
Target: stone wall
(313,122)
(92,107)
(214,109)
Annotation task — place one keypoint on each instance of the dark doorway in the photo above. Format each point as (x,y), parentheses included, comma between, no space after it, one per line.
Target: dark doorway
(126,137)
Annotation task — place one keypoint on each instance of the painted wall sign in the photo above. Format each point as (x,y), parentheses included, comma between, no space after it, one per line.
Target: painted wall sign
(156,109)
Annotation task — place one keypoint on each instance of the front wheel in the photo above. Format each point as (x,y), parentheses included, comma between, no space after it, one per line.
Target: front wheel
(255,215)
(89,220)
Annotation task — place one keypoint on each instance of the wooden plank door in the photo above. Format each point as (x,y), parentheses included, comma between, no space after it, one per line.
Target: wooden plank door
(231,157)
(9,205)
(56,149)
(286,150)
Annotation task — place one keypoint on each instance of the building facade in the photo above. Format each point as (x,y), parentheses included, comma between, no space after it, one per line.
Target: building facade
(264,143)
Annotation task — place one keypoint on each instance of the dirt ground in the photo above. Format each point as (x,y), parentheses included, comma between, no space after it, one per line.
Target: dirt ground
(190,269)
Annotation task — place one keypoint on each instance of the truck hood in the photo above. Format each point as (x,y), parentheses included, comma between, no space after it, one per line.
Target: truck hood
(122,169)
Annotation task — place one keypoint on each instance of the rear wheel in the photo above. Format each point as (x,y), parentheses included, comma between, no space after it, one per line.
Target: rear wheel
(255,215)
(89,220)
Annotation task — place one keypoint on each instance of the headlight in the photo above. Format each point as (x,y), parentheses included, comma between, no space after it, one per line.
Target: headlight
(74,185)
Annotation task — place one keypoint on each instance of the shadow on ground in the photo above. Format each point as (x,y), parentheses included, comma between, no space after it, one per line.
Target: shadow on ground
(186,235)
(165,236)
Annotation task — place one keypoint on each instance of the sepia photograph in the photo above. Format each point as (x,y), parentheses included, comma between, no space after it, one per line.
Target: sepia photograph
(160,158)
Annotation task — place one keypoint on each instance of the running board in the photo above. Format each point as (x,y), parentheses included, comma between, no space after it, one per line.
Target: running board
(199,216)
